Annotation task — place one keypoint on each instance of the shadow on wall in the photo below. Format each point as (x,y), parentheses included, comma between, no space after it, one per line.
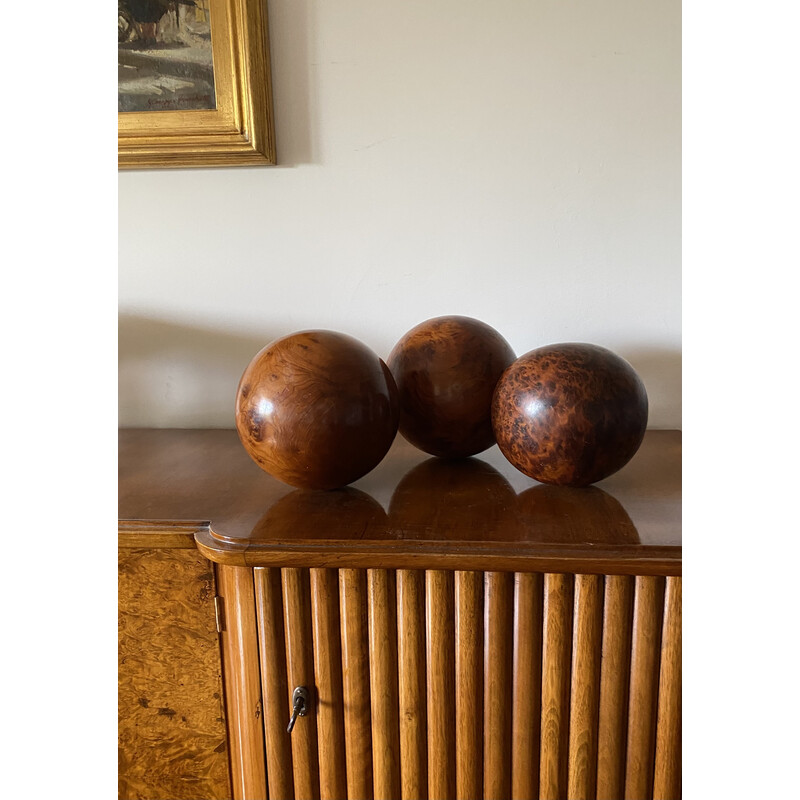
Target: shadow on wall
(660,369)
(174,376)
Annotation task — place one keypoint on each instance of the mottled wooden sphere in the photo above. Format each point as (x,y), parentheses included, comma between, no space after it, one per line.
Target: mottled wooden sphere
(569,414)
(317,409)
(446,370)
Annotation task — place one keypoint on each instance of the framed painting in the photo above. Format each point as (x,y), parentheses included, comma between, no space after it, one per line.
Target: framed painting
(194,85)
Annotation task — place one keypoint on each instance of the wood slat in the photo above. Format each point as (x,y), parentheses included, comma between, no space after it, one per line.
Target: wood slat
(469,684)
(645,651)
(300,672)
(497,702)
(382,606)
(355,683)
(242,683)
(556,651)
(585,690)
(614,686)
(272,651)
(667,782)
(440,637)
(527,689)
(328,674)
(412,684)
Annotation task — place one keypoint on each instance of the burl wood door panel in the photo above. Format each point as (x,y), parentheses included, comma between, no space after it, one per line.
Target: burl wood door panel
(440,684)
(172,734)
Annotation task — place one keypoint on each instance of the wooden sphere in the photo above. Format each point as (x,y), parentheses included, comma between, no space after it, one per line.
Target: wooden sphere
(317,409)
(569,414)
(446,370)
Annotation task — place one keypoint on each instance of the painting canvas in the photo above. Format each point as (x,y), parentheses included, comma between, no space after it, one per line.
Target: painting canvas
(165,56)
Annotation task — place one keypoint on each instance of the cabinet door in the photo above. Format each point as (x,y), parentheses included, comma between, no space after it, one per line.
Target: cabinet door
(448,684)
(172,735)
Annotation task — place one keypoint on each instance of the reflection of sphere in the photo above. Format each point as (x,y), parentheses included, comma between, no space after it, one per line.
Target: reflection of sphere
(460,500)
(304,514)
(569,414)
(564,515)
(446,370)
(317,409)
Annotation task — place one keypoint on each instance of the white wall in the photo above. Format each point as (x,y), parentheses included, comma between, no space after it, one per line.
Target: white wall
(513,160)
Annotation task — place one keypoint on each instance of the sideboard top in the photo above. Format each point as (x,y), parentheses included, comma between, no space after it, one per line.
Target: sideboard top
(412,510)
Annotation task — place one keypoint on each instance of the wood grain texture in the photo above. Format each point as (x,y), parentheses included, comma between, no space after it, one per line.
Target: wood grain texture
(412,684)
(446,369)
(497,684)
(527,689)
(272,654)
(242,683)
(355,682)
(317,409)
(300,672)
(667,781)
(645,651)
(556,651)
(172,738)
(328,673)
(614,686)
(585,691)
(382,616)
(469,684)
(440,635)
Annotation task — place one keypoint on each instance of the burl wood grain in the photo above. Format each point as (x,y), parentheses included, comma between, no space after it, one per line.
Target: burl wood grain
(569,414)
(446,370)
(317,409)
(172,738)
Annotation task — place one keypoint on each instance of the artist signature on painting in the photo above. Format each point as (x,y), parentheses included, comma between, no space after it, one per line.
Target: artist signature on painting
(204,99)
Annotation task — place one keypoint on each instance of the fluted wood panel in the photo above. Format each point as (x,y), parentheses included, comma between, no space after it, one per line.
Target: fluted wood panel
(412,684)
(585,691)
(645,653)
(328,674)
(527,688)
(614,674)
(556,650)
(497,703)
(355,678)
(300,672)
(469,684)
(445,684)
(667,783)
(272,650)
(382,596)
(441,684)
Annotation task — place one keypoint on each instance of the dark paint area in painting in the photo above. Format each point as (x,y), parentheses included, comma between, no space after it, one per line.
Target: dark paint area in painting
(165,58)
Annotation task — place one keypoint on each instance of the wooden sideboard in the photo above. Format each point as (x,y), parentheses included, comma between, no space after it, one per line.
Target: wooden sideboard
(461,630)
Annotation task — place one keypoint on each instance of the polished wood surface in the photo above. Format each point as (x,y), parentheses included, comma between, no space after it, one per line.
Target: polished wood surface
(648,606)
(446,370)
(569,414)
(667,782)
(411,655)
(627,524)
(328,678)
(317,409)
(242,683)
(614,674)
(171,735)
(272,654)
(469,644)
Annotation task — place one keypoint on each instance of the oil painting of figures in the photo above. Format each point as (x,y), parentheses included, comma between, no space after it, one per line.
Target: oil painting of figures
(165,60)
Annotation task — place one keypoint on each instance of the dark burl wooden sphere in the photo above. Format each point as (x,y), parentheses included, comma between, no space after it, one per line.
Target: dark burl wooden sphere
(317,409)
(446,370)
(569,414)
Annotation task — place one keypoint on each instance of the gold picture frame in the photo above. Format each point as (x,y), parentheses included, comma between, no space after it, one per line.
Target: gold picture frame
(240,130)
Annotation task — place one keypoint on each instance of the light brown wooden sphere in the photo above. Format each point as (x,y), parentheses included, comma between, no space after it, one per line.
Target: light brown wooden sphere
(317,409)
(446,370)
